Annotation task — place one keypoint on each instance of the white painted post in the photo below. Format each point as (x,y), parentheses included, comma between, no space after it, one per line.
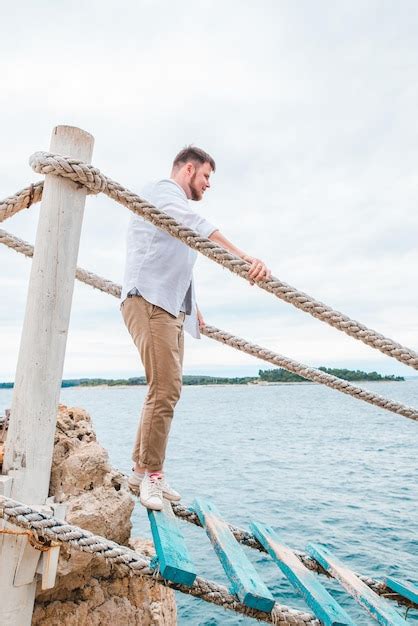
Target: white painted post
(30,439)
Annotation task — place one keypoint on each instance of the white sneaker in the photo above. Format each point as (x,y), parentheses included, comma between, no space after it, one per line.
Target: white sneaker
(135,480)
(151,495)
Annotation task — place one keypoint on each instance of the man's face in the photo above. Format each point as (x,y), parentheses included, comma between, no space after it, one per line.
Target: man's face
(199,181)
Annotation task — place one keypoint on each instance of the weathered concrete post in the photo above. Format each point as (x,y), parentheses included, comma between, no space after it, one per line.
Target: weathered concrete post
(30,439)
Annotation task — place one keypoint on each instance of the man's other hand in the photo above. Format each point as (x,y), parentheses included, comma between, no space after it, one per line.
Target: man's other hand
(200,319)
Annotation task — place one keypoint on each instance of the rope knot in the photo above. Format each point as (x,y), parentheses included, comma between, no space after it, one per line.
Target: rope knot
(76,170)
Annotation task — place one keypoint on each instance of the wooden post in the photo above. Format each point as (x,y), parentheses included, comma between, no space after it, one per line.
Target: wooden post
(30,439)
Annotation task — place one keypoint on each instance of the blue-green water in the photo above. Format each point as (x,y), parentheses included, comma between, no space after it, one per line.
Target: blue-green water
(316,465)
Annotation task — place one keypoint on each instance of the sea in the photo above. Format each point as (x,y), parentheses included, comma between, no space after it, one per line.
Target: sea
(316,465)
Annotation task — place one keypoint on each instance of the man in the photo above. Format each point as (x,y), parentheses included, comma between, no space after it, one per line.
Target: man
(157,300)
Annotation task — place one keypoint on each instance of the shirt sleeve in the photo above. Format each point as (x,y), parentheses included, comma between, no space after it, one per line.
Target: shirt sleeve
(170,199)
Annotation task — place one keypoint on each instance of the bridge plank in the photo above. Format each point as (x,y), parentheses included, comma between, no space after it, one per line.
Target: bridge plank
(173,556)
(326,609)
(379,608)
(405,589)
(245,582)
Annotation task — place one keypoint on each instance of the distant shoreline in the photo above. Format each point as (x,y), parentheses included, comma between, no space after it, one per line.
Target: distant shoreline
(276,376)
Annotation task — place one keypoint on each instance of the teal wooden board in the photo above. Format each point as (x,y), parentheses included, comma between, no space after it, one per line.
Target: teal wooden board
(172,553)
(407,590)
(245,582)
(326,609)
(378,607)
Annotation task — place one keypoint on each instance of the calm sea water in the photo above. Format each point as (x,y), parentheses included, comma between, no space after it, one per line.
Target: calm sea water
(316,465)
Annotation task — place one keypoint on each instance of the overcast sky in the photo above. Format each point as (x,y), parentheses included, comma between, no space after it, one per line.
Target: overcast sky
(310,110)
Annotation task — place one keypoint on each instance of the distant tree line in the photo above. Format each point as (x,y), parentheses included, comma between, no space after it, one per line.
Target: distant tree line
(359,375)
(283,376)
(216,380)
(279,376)
(111,382)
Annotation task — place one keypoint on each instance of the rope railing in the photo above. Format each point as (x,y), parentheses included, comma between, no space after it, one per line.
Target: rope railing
(95,181)
(310,373)
(23,199)
(135,563)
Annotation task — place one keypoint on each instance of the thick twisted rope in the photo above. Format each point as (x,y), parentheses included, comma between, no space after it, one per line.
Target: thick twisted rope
(84,276)
(95,181)
(135,563)
(21,200)
(222,336)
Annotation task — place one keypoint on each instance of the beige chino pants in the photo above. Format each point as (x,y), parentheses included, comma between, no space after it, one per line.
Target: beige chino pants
(159,338)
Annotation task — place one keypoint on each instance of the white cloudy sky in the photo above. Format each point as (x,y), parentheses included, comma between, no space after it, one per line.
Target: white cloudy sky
(310,110)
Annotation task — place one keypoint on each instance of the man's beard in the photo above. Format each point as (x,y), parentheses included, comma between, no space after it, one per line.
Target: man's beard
(195,195)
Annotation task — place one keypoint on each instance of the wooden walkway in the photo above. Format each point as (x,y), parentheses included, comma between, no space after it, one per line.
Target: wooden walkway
(175,564)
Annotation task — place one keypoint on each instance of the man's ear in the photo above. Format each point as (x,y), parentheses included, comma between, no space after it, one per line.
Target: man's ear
(190,168)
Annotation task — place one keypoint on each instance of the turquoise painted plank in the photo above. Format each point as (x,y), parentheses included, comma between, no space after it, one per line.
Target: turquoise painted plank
(172,553)
(245,582)
(378,607)
(326,609)
(407,590)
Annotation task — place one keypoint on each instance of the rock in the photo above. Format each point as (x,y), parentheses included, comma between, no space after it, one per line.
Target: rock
(110,602)
(88,591)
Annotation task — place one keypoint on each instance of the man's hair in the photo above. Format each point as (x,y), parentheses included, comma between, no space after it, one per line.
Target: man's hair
(194,154)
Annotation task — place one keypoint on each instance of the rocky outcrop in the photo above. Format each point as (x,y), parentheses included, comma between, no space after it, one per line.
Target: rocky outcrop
(88,591)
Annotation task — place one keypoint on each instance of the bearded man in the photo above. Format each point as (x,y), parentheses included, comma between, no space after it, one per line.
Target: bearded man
(158,299)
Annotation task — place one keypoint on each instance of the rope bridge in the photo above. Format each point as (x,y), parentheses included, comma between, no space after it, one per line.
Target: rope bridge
(172,565)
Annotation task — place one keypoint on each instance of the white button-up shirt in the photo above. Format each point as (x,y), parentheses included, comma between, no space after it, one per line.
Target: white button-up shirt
(158,265)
